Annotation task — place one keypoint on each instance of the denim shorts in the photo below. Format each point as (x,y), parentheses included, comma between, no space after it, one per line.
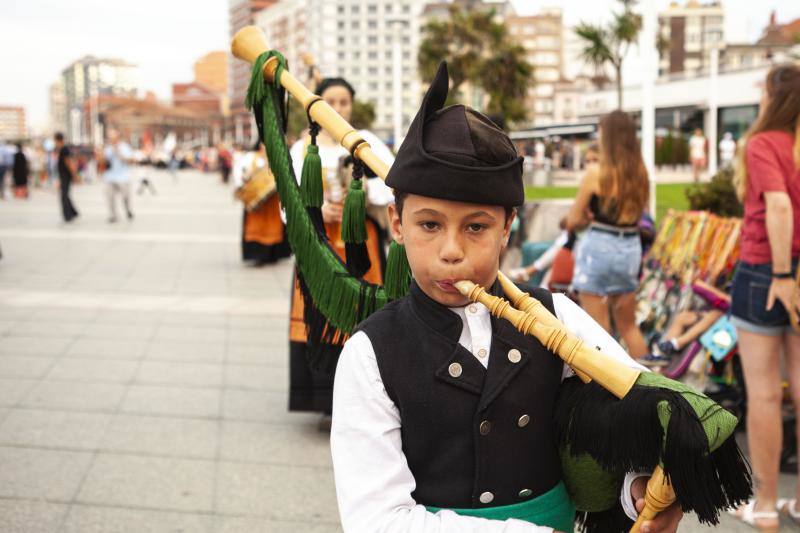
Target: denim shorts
(749,301)
(607,264)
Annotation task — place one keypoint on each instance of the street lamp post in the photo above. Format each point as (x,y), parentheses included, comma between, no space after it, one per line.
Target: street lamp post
(713,105)
(650,65)
(397,85)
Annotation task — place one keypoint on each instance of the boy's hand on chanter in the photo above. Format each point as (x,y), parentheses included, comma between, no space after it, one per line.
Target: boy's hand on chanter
(666,521)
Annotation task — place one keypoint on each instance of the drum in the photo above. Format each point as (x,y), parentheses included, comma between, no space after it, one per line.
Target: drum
(257,190)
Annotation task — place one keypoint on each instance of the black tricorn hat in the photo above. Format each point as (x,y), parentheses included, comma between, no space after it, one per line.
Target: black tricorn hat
(456,153)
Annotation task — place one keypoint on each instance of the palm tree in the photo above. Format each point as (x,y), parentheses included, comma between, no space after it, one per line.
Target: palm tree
(604,45)
(479,51)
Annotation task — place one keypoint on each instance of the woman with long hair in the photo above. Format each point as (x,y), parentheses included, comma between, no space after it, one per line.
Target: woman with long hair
(768,181)
(310,388)
(611,199)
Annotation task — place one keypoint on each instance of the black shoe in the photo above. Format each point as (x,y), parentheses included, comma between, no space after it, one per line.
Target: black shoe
(667,348)
(112,220)
(654,361)
(130,215)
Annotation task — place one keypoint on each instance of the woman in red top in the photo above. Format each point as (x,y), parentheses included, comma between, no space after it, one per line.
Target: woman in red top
(768,181)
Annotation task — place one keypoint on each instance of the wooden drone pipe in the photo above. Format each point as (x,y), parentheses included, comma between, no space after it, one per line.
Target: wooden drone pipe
(658,496)
(249,43)
(536,320)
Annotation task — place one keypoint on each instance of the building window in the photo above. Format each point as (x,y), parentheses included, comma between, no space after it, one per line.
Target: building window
(372,24)
(356,55)
(355,25)
(372,55)
(388,8)
(372,39)
(373,71)
(406,8)
(355,8)
(373,86)
(340,9)
(388,54)
(340,56)
(356,71)
(340,40)
(372,8)
(341,24)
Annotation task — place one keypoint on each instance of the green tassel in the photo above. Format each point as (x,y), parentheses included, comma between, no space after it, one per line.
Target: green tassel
(354,227)
(311,178)
(398,272)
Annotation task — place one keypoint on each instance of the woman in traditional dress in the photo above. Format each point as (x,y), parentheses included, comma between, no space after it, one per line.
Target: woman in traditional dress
(263,232)
(311,389)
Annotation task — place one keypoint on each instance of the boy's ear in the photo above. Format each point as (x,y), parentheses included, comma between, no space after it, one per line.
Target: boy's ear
(507,228)
(395,225)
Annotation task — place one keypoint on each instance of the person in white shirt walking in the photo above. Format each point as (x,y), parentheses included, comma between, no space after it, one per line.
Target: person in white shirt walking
(727,150)
(697,153)
(117,155)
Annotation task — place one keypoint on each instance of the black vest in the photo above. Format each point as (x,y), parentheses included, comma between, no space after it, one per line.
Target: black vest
(473,437)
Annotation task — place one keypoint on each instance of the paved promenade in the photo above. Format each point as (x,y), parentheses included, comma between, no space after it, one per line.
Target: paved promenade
(143,374)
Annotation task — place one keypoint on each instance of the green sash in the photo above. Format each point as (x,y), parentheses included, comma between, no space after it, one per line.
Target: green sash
(551,509)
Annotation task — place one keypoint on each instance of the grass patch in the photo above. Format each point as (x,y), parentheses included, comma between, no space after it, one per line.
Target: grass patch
(668,196)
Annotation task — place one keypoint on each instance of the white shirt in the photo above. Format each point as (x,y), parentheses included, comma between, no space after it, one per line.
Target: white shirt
(118,155)
(697,147)
(373,480)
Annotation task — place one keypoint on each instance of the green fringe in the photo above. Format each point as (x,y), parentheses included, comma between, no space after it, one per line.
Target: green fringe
(311,178)
(398,272)
(343,299)
(354,227)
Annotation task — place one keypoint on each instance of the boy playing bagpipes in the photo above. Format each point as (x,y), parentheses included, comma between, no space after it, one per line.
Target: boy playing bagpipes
(442,414)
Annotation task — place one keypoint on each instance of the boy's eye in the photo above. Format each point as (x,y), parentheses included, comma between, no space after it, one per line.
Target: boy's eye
(429,226)
(475,227)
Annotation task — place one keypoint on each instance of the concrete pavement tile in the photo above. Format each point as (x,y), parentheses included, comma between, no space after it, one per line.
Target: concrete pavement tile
(7,325)
(25,516)
(186,352)
(277,492)
(271,378)
(37,328)
(151,482)
(257,322)
(194,320)
(230,524)
(251,442)
(261,406)
(265,335)
(273,354)
(64,314)
(136,332)
(54,429)
(124,317)
(180,437)
(164,372)
(91,519)
(30,345)
(15,313)
(13,390)
(41,474)
(87,369)
(15,366)
(178,401)
(73,395)
(185,333)
(107,349)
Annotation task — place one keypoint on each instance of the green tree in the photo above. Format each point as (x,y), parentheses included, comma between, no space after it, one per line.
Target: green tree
(608,45)
(478,50)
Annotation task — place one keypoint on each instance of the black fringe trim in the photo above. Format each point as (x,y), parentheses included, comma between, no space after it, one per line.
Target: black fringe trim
(627,435)
(315,214)
(613,520)
(320,335)
(357,255)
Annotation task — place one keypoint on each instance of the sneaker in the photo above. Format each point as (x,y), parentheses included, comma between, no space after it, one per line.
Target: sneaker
(654,360)
(667,347)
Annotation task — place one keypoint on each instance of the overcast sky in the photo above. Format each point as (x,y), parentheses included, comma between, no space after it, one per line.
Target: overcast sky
(38,38)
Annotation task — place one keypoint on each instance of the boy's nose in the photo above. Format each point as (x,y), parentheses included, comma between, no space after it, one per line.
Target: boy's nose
(451,252)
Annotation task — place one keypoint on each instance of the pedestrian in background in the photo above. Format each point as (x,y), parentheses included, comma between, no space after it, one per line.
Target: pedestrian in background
(697,153)
(727,150)
(6,161)
(768,182)
(20,173)
(611,199)
(118,155)
(66,174)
